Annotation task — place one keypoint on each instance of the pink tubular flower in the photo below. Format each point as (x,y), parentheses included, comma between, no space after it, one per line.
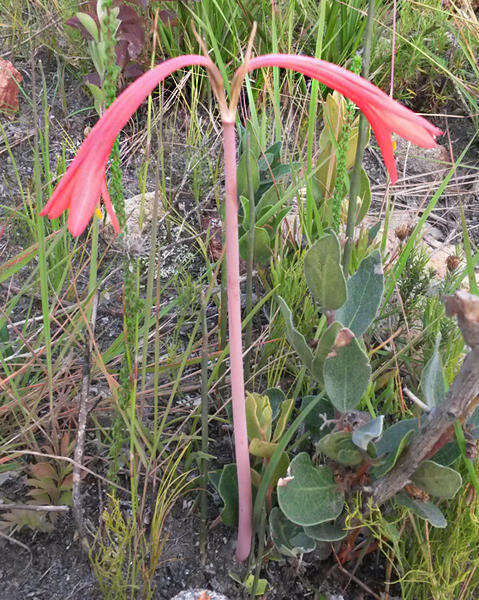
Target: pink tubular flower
(84,182)
(385,115)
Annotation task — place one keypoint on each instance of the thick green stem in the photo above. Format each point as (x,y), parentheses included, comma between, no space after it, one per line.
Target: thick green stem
(362,137)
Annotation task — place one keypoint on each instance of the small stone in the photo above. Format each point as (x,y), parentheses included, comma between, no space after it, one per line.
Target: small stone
(9,80)
(199,594)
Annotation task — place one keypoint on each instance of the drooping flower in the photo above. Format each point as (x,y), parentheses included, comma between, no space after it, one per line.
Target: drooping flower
(385,115)
(84,182)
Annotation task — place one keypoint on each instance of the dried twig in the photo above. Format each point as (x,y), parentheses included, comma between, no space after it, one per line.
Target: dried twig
(412,396)
(85,407)
(357,581)
(35,507)
(437,426)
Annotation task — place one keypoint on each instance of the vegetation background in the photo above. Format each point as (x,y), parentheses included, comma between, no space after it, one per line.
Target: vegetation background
(142,319)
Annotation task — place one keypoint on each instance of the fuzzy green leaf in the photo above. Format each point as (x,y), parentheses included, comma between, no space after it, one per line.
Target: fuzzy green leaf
(448,454)
(346,372)
(270,198)
(309,495)
(98,96)
(425,510)
(315,421)
(242,174)
(262,248)
(288,538)
(262,448)
(394,434)
(286,410)
(324,273)
(326,532)
(245,209)
(280,470)
(323,348)
(258,417)
(227,486)
(339,446)
(89,24)
(392,457)
(432,378)
(228,490)
(365,290)
(437,480)
(368,432)
(261,586)
(214,478)
(276,397)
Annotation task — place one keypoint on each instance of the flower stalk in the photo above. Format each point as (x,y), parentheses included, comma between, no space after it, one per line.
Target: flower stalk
(245,510)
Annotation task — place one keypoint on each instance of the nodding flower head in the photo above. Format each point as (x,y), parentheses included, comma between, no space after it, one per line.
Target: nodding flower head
(84,183)
(385,115)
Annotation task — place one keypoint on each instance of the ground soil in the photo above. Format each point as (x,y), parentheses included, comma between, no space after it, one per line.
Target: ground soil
(57,569)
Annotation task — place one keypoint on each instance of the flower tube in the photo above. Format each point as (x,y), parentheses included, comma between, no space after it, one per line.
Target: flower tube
(385,115)
(84,183)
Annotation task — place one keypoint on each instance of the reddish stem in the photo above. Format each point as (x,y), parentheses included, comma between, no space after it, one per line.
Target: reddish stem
(245,509)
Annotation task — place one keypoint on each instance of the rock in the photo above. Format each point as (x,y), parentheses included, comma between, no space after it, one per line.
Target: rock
(9,80)
(137,242)
(442,256)
(199,594)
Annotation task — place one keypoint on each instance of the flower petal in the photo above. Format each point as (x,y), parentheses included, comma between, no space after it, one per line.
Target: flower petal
(384,114)
(59,201)
(102,136)
(384,139)
(85,197)
(95,150)
(347,83)
(409,130)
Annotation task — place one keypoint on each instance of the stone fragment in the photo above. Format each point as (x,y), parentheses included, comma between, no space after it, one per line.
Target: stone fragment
(199,594)
(9,80)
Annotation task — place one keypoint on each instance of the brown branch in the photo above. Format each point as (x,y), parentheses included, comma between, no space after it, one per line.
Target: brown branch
(85,407)
(457,406)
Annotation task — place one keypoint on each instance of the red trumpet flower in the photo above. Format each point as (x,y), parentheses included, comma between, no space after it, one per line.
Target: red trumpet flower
(84,182)
(385,115)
